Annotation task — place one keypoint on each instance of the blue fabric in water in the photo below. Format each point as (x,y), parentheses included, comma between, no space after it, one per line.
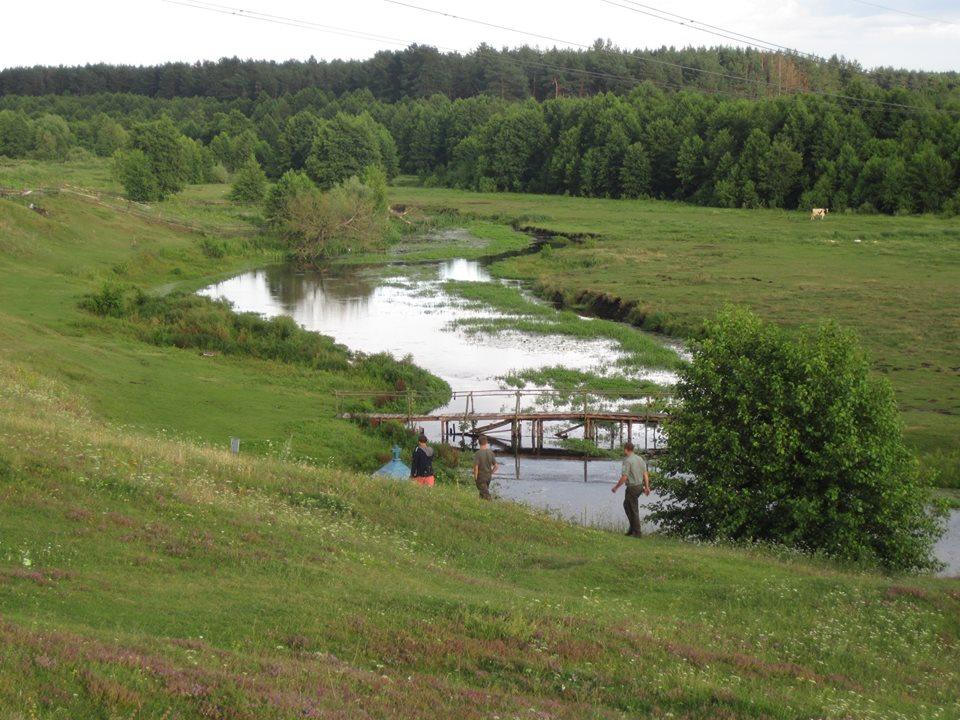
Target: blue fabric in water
(396,468)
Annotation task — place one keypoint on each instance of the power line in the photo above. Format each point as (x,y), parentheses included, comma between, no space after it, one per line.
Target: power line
(740,78)
(573,43)
(289,22)
(689,22)
(905,12)
(708,28)
(357,34)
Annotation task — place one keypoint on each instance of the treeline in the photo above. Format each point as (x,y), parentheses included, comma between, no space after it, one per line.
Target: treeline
(797,151)
(421,71)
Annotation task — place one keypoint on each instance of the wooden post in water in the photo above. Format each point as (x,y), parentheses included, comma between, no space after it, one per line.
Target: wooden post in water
(515,436)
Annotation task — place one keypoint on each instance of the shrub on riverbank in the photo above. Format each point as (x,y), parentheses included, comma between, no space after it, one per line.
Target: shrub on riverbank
(349,218)
(793,442)
(191,321)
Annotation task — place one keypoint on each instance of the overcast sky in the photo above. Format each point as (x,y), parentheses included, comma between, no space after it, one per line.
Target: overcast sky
(144,32)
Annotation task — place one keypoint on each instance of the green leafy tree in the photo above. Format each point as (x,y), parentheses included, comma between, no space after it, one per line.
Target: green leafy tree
(297,137)
(514,147)
(602,165)
(16,134)
(691,170)
(929,179)
(108,135)
(782,177)
(196,160)
(466,164)
(793,441)
(635,173)
(662,140)
(52,137)
(563,170)
(134,171)
(291,183)
(249,184)
(374,179)
(881,183)
(159,141)
(389,156)
(235,151)
(342,148)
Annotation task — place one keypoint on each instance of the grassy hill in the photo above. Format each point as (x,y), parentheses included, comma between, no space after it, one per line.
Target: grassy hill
(145,572)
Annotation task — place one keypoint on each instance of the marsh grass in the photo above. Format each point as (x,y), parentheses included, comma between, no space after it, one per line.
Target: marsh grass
(522,314)
(571,381)
(448,238)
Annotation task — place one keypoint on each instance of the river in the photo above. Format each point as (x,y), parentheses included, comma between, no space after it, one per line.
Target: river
(404,310)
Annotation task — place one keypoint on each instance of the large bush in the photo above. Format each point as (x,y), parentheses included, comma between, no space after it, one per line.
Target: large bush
(351,217)
(291,183)
(249,185)
(793,441)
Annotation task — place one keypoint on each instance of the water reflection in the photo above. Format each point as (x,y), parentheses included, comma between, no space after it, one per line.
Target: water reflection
(406,314)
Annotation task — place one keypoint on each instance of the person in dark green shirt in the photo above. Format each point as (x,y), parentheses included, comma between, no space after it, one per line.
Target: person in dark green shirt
(484,466)
(633,474)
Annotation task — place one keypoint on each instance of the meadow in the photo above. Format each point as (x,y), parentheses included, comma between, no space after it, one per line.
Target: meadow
(666,266)
(146,572)
(142,576)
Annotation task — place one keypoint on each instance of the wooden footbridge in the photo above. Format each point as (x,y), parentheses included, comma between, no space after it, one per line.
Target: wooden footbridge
(504,411)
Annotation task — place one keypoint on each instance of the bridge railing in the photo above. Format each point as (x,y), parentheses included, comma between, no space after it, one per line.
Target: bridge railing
(580,399)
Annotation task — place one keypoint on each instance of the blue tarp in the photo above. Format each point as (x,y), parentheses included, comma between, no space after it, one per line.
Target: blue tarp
(396,468)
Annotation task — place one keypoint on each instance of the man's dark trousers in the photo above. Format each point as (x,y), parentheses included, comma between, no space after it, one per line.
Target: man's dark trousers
(631,506)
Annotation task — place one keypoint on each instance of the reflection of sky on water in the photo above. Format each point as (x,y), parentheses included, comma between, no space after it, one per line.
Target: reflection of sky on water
(410,317)
(559,487)
(948,549)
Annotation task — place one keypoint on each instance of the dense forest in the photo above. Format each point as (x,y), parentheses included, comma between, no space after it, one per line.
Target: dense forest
(421,71)
(750,130)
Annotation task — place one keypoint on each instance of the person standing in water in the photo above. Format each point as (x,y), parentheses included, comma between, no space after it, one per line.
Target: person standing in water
(634,474)
(484,466)
(421,467)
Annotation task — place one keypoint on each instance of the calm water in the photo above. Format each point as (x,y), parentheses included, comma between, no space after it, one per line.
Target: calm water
(406,312)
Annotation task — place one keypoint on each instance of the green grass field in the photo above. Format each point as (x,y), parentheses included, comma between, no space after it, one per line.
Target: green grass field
(147,573)
(145,577)
(666,266)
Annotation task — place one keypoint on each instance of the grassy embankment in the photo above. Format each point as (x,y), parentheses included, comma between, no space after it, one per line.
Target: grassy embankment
(666,266)
(148,576)
(142,576)
(48,263)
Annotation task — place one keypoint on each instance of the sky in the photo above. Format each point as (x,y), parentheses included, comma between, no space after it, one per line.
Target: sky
(147,32)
